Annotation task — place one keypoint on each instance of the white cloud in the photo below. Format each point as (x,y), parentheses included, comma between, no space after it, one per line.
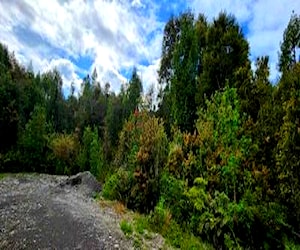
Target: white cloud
(119,34)
(112,33)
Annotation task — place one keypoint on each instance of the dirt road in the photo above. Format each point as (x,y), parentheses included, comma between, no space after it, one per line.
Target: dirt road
(54,212)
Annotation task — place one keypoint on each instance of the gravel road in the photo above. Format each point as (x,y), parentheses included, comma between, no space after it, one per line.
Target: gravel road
(40,211)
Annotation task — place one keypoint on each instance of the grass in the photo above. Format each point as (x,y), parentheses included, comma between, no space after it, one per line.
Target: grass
(4,175)
(126,227)
(144,229)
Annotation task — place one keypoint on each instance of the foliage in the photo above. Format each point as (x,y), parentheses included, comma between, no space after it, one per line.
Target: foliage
(34,141)
(65,150)
(288,151)
(126,227)
(142,154)
(117,186)
(291,41)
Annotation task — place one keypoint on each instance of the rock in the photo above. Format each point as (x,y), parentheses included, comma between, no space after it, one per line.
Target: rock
(84,181)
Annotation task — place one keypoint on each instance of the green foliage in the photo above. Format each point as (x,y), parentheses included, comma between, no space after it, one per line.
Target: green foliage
(291,41)
(288,151)
(132,100)
(118,185)
(172,193)
(220,131)
(65,150)
(126,227)
(160,218)
(84,154)
(34,140)
(198,59)
(97,159)
(141,224)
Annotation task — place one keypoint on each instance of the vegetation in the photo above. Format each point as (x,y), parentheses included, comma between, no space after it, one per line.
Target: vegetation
(218,161)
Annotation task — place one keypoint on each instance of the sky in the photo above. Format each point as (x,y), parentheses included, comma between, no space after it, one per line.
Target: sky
(113,36)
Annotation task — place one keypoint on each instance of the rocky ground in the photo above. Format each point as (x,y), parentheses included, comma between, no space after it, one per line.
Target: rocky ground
(40,211)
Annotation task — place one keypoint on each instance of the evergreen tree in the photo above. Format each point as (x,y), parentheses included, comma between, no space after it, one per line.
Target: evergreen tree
(291,41)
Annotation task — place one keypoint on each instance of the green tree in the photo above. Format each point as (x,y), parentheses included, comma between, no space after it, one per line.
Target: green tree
(227,50)
(132,98)
(291,41)
(96,158)
(183,82)
(34,141)
(288,150)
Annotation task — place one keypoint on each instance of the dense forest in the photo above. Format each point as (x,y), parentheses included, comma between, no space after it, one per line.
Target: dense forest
(217,154)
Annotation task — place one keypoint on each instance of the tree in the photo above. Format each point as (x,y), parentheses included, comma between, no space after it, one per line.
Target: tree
(178,71)
(34,141)
(9,112)
(288,149)
(170,39)
(183,82)
(132,98)
(54,100)
(291,41)
(227,50)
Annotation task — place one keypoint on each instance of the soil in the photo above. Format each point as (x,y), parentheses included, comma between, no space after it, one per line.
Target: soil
(39,211)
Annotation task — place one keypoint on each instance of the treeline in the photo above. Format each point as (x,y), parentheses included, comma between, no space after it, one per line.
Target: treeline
(219,157)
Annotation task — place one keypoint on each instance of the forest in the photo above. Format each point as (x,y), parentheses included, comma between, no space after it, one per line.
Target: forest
(215,154)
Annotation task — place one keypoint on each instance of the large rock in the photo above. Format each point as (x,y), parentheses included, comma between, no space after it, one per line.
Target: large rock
(85,182)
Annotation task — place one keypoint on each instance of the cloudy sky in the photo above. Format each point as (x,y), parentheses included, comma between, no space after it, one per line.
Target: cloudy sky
(76,36)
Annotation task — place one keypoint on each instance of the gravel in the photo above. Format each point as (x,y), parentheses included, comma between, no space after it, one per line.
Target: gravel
(39,211)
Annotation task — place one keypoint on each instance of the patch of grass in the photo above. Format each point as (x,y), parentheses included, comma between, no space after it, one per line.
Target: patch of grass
(177,237)
(143,229)
(126,227)
(137,243)
(141,224)
(4,175)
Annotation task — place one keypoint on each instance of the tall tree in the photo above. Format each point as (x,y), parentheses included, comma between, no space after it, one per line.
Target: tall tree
(133,94)
(291,41)
(183,82)
(288,149)
(227,50)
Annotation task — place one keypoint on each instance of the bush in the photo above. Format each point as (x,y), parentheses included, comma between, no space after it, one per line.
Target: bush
(160,218)
(117,186)
(65,150)
(172,191)
(97,160)
(142,152)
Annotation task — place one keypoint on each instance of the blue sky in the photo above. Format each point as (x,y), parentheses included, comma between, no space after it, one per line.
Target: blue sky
(113,36)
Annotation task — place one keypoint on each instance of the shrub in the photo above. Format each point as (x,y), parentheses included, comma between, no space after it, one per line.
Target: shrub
(65,150)
(97,159)
(142,152)
(160,218)
(117,186)
(172,191)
